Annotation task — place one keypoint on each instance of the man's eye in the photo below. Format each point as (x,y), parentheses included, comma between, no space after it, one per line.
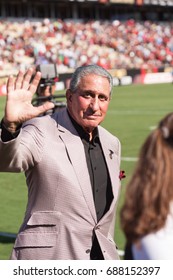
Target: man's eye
(103,98)
(87,95)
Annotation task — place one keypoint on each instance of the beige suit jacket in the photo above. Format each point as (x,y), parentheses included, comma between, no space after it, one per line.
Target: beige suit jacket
(60,216)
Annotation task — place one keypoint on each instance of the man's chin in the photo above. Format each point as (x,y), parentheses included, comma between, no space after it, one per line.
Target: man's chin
(90,126)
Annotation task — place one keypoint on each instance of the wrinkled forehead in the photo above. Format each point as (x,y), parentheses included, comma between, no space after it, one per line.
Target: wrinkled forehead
(94,81)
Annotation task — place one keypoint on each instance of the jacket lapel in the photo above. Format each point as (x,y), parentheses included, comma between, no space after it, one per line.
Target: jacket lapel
(112,160)
(76,154)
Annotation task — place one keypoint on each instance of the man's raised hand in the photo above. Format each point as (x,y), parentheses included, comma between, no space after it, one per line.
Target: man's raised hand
(20,91)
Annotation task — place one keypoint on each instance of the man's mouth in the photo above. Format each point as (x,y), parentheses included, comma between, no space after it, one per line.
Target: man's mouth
(93,117)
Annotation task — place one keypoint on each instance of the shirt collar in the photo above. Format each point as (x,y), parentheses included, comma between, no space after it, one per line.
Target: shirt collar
(82,133)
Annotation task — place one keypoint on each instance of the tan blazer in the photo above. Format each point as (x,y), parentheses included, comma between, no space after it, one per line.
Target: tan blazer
(60,217)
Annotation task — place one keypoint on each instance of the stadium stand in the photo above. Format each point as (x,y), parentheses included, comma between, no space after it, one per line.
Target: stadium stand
(111,44)
(116,34)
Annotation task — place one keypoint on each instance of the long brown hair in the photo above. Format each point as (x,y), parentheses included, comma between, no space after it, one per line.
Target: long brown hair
(150,188)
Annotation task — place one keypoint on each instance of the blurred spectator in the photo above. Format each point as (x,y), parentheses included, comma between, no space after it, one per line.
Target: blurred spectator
(70,44)
(147,213)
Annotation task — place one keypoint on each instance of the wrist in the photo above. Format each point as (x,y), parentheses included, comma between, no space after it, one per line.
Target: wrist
(12,127)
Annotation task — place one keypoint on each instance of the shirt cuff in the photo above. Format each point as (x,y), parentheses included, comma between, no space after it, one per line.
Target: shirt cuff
(6,135)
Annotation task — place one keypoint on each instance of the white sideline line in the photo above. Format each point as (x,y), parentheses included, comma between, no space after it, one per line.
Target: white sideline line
(129,158)
(121,253)
(152,127)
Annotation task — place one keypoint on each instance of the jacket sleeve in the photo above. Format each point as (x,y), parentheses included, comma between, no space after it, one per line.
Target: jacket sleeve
(22,151)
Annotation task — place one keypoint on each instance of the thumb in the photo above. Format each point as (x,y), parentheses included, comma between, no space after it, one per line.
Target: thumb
(45,107)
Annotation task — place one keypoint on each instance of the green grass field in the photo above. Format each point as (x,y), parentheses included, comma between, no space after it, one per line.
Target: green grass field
(134,110)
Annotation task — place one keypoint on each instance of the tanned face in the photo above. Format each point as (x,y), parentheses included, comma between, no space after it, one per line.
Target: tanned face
(89,104)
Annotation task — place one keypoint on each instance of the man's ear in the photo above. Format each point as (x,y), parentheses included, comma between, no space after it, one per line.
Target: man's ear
(68,95)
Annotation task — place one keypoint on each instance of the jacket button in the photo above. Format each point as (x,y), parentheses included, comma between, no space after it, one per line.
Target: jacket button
(88,251)
(97,227)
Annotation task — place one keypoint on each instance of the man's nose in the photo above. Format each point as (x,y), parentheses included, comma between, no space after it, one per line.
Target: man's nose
(94,104)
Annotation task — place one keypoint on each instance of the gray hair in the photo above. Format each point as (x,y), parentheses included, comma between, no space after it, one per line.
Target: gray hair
(82,71)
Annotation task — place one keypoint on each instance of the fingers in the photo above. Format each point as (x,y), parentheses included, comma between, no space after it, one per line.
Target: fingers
(30,80)
(23,80)
(10,84)
(27,81)
(34,84)
(19,80)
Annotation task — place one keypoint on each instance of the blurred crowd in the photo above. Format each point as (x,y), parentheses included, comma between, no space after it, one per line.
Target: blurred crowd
(69,44)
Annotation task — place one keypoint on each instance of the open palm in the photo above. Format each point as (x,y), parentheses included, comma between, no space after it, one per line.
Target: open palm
(20,92)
